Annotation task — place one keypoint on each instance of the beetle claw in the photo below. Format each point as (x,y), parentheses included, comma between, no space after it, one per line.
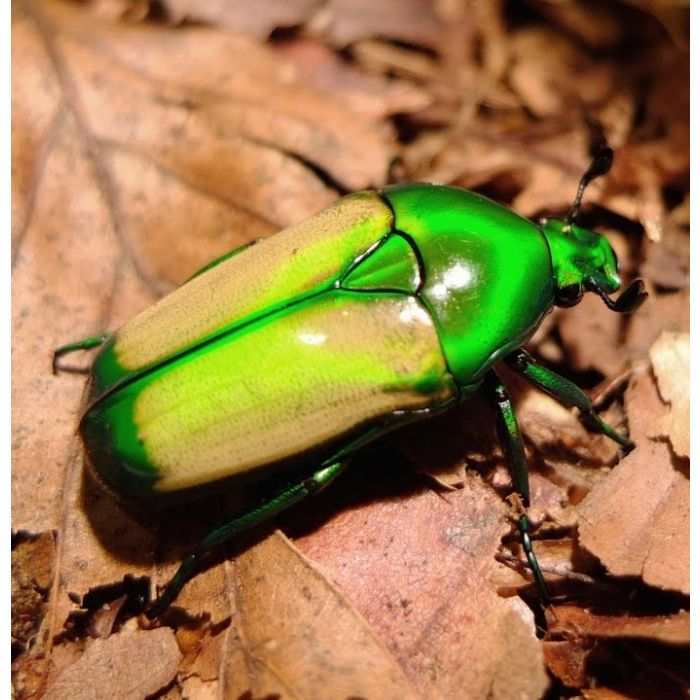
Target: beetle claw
(628,301)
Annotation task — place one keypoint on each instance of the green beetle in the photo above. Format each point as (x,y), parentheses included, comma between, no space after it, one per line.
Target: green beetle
(295,352)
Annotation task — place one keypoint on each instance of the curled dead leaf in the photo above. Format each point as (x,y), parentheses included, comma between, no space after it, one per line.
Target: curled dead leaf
(670,359)
(669,629)
(637,520)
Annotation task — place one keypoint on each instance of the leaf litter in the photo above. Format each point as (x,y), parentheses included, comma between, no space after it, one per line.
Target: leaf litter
(142,149)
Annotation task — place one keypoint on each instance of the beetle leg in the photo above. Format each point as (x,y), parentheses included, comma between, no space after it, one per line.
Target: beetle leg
(85,344)
(566,392)
(512,442)
(267,509)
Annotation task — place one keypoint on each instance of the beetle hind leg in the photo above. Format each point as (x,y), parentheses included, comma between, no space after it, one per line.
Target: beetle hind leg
(84,344)
(514,451)
(566,392)
(267,509)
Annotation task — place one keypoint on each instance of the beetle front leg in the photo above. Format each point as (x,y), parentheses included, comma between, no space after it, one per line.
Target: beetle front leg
(512,442)
(566,392)
(267,509)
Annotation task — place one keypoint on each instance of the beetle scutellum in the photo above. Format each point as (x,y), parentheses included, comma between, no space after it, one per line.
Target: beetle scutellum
(380,310)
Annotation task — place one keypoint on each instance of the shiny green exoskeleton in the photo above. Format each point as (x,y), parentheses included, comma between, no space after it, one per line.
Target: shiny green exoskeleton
(295,352)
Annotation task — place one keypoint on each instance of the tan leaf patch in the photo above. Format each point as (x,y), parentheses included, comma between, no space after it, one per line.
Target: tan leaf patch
(670,358)
(420,571)
(295,634)
(129,665)
(637,521)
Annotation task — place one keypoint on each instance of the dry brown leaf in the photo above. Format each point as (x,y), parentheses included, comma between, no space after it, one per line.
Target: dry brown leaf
(648,686)
(382,58)
(553,427)
(130,665)
(419,570)
(257,19)
(543,79)
(207,664)
(29,676)
(648,653)
(104,620)
(33,567)
(546,180)
(567,661)
(558,557)
(172,99)
(661,312)
(413,21)
(669,629)
(667,261)
(373,95)
(671,14)
(605,694)
(670,359)
(125,10)
(296,636)
(590,334)
(646,168)
(637,521)
(602,29)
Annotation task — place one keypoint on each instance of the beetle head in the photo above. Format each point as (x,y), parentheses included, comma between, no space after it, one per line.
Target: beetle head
(582,261)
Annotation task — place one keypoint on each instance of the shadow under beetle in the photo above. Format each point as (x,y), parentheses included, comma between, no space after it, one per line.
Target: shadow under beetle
(383,309)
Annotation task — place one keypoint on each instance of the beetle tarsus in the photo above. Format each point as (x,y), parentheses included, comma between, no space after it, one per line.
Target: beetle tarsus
(514,451)
(629,300)
(540,581)
(85,344)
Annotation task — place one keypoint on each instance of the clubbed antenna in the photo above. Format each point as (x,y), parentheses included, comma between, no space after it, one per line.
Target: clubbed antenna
(600,165)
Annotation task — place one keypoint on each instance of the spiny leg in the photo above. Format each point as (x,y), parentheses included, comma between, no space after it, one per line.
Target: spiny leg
(85,344)
(566,392)
(512,443)
(267,509)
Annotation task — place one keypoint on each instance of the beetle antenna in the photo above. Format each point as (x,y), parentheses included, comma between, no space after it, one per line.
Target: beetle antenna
(628,301)
(600,165)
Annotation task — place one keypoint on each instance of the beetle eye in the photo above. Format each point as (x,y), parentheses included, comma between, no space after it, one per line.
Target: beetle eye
(569,295)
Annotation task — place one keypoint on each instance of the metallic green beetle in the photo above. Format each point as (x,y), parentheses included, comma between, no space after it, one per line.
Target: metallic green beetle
(384,308)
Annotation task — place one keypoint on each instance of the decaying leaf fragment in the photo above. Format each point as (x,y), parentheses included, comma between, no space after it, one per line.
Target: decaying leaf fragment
(669,629)
(583,638)
(637,520)
(33,564)
(295,634)
(132,664)
(670,359)
(420,568)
